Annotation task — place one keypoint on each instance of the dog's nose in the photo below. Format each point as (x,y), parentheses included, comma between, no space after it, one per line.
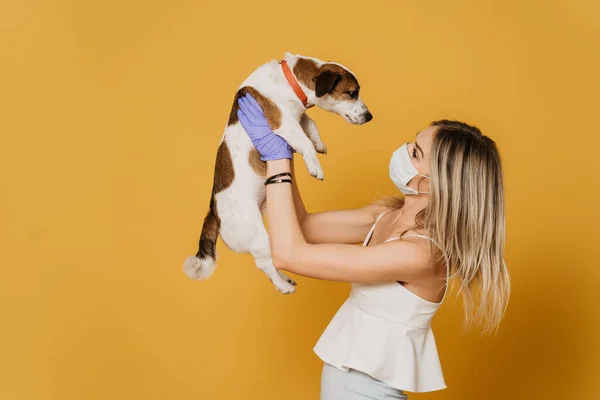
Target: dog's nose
(368,116)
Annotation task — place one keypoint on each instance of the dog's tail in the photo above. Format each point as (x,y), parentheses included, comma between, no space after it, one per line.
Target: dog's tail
(202,265)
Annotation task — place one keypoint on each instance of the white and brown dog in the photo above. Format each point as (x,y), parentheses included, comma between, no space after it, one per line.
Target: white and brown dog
(284,89)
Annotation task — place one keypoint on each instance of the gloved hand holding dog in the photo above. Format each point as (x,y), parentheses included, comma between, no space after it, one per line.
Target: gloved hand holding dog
(269,145)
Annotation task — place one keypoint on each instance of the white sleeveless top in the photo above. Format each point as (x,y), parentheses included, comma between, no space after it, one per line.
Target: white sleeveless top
(384,330)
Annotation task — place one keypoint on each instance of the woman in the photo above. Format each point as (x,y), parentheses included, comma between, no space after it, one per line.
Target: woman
(450,223)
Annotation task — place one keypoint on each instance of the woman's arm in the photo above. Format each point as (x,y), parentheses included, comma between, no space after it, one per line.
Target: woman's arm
(340,226)
(336,226)
(298,203)
(395,261)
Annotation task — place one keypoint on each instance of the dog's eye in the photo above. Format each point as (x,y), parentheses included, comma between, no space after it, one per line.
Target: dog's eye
(352,93)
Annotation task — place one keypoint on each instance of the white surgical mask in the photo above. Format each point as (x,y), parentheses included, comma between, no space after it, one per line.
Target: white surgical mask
(402,170)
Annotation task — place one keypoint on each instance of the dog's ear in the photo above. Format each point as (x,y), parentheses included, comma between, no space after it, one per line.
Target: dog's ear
(325,82)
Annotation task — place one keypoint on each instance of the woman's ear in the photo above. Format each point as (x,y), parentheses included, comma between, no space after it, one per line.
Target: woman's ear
(325,82)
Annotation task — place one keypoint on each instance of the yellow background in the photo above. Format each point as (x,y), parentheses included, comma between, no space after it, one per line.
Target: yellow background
(111,113)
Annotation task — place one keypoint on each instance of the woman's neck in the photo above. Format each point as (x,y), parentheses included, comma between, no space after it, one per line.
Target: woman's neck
(416,200)
(413,204)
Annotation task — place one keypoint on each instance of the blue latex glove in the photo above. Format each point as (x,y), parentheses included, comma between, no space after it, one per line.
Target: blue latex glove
(269,145)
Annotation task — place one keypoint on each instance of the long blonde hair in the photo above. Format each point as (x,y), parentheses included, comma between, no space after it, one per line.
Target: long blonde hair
(465,216)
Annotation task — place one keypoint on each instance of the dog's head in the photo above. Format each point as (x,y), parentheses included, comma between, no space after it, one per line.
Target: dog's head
(335,88)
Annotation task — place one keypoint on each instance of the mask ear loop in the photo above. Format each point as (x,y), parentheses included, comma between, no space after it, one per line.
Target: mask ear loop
(424,176)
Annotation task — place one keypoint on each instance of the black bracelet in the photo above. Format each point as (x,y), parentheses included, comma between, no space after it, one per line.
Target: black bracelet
(277,181)
(278,175)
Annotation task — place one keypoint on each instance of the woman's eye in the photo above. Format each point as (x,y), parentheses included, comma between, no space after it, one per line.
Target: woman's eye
(414,152)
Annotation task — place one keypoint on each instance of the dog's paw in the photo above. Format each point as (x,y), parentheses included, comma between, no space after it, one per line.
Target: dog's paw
(318,173)
(314,168)
(287,278)
(321,148)
(284,287)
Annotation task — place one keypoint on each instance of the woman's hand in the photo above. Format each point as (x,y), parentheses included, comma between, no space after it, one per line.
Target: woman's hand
(269,145)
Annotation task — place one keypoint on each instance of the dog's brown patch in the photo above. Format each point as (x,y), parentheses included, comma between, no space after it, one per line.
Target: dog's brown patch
(259,166)
(262,202)
(224,172)
(212,225)
(346,82)
(207,246)
(269,108)
(222,179)
(305,71)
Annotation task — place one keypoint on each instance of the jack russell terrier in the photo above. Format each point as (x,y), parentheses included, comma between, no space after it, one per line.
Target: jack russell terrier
(285,90)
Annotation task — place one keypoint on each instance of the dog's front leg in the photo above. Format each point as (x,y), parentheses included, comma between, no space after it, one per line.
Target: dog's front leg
(292,132)
(310,128)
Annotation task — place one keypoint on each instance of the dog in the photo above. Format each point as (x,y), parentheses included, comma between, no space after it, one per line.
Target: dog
(284,89)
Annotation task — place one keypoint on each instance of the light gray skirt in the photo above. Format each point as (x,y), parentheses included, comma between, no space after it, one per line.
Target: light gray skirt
(355,385)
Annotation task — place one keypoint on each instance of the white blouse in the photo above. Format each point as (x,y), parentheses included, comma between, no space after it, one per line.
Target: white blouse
(384,330)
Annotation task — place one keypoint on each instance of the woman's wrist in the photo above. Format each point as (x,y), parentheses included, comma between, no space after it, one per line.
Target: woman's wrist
(278,166)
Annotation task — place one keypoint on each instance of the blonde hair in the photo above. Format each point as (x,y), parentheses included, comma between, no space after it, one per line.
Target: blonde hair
(465,216)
